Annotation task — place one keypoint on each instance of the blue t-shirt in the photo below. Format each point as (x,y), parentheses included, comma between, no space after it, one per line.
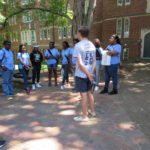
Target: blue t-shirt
(55,53)
(24,56)
(7,58)
(64,54)
(98,62)
(118,48)
(73,58)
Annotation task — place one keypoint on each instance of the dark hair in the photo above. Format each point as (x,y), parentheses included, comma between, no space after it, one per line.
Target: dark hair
(52,43)
(20,47)
(98,42)
(76,40)
(116,37)
(84,31)
(66,44)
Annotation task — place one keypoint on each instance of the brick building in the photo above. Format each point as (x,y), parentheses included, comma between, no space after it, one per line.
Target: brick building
(130,19)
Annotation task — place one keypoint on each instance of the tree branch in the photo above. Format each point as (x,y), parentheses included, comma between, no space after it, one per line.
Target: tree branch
(35,8)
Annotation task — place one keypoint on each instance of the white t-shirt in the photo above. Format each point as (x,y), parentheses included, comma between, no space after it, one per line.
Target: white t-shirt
(86,52)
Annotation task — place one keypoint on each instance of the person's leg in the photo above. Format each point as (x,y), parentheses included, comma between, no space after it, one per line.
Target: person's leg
(49,76)
(107,80)
(67,74)
(34,74)
(114,74)
(107,77)
(5,81)
(97,75)
(55,76)
(84,99)
(64,74)
(38,73)
(25,77)
(10,85)
(91,102)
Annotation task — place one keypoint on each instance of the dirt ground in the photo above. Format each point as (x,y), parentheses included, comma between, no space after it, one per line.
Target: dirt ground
(135,94)
(44,119)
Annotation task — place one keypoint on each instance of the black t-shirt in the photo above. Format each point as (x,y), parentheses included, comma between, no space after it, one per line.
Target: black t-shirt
(36,57)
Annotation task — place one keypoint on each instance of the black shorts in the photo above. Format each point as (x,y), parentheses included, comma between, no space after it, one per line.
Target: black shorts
(82,85)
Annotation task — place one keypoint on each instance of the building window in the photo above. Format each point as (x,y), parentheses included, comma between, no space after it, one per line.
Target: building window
(64,33)
(127,2)
(12,21)
(27,17)
(45,34)
(41,35)
(48,34)
(11,3)
(119,2)
(69,32)
(28,37)
(126,27)
(60,33)
(87,2)
(25,2)
(119,27)
(33,36)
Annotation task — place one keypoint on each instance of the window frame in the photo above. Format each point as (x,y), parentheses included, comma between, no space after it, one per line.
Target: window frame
(124,30)
(119,4)
(119,34)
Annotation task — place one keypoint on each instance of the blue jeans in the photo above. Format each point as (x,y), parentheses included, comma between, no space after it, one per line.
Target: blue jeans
(65,73)
(7,79)
(25,74)
(111,72)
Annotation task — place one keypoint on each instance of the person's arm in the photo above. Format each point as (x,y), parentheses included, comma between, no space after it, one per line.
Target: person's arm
(116,51)
(41,57)
(1,57)
(83,69)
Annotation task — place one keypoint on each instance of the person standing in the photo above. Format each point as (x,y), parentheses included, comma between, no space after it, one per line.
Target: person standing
(99,50)
(7,66)
(24,65)
(36,58)
(86,61)
(72,58)
(114,50)
(52,57)
(65,64)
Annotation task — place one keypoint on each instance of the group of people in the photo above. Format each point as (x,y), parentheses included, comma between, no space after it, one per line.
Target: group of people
(84,60)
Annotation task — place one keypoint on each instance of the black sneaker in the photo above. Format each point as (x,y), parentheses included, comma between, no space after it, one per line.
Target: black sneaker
(104,91)
(2,143)
(113,92)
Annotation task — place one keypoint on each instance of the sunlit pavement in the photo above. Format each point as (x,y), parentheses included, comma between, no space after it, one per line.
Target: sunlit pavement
(44,121)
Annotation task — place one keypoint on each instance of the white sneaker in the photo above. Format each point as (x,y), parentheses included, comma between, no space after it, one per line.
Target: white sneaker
(96,88)
(38,85)
(92,114)
(79,118)
(62,87)
(33,87)
(67,85)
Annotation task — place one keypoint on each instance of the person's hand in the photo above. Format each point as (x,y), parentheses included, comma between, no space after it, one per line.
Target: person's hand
(4,68)
(91,76)
(109,53)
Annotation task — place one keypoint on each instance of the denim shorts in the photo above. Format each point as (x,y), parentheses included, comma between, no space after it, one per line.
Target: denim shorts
(82,85)
(52,66)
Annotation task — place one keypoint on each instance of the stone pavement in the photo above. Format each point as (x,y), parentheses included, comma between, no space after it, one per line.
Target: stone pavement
(44,121)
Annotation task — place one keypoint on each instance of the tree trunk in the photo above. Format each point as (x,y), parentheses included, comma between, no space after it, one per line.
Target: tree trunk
(80,17)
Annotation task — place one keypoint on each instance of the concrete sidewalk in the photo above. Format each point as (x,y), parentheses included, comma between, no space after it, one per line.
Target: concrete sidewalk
(44,121)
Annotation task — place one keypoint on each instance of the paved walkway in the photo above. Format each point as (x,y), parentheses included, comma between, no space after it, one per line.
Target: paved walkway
(43,121)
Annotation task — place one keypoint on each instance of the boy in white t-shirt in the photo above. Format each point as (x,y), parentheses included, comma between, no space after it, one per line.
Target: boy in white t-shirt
(86,61)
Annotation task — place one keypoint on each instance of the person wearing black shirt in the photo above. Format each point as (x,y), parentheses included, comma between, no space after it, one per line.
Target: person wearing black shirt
(36,59)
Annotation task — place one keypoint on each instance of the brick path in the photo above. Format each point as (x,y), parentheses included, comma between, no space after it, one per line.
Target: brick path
(43,121)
